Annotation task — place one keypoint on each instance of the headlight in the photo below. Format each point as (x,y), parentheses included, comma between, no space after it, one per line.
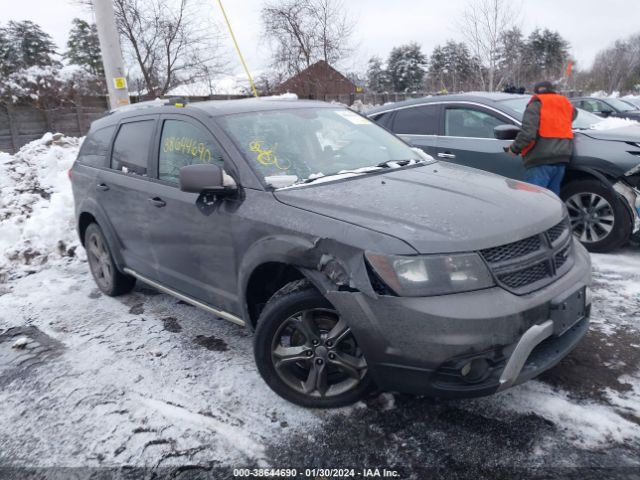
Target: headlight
(422,276)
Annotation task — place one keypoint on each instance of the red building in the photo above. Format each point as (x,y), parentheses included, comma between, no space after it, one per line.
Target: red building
(316,81)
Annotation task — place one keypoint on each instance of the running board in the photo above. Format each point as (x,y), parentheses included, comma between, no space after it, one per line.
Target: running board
(196,303)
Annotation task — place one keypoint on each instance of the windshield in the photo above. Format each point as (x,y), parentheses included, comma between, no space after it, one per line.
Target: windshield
(308,143)
(620,105)
(582,121)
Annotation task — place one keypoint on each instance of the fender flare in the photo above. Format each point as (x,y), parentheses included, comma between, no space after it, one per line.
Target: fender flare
(96,210)
(287,249)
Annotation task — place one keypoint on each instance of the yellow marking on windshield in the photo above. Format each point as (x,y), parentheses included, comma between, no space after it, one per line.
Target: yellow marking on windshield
(267,156)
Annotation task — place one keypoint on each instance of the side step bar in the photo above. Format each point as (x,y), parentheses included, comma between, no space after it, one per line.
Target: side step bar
(196,303)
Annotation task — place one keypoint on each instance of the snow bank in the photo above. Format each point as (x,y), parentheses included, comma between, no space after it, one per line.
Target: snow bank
(36,205)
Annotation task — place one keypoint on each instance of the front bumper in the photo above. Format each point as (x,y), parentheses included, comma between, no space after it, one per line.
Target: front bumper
(421,345)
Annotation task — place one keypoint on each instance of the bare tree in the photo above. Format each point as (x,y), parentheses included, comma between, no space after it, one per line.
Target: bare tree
(168,43)
(483,24)
(305,31)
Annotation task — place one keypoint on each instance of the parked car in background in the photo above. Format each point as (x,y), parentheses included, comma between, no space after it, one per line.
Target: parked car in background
(601,187)
(355,258)
(607,107)
(633,100)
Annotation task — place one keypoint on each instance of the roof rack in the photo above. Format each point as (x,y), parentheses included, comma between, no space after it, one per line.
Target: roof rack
(158,102)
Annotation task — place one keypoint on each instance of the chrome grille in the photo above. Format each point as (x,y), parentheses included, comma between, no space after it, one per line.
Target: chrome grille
(534,262)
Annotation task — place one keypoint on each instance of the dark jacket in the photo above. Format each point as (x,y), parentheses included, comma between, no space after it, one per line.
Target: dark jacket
(546,151)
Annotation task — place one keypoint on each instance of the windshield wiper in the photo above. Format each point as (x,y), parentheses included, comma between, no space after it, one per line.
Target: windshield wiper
(357,171)
(399,163)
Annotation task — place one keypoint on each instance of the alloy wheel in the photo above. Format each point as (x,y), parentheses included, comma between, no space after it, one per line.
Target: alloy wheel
(592,216)
(315,353)
(100,261)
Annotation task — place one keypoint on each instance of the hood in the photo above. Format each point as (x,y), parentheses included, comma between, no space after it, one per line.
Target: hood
(621,134)
(435,208)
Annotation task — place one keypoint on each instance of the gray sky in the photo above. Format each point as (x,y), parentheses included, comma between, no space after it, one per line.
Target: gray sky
(589,25)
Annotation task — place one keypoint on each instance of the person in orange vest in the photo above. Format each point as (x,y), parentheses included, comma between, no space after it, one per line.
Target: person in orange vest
(545,140)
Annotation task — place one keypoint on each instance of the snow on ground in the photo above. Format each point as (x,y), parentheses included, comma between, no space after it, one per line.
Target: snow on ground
(144,379)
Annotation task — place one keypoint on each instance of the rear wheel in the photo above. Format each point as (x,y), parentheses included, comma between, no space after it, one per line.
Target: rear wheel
(598,217)
(109,279)
(306,352)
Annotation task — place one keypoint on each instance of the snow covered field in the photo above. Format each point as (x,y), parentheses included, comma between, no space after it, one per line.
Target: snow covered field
(146,380)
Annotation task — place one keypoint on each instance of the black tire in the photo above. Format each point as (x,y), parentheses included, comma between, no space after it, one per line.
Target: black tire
(594,209)
(287,315)
(109,279)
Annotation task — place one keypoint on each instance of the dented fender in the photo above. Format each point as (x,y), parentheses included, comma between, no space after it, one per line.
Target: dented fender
(327,264)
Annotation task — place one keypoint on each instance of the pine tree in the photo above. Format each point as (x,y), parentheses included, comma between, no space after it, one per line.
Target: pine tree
(83,47)
(406,67)
(512,52)
(28,46)
(377,76)
(451,67)
(548,53)
(6,54)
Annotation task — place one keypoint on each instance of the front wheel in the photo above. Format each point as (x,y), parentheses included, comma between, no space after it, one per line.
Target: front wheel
(306,352)
(598,218)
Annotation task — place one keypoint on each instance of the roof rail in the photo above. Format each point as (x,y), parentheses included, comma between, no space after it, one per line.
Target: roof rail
(158,102)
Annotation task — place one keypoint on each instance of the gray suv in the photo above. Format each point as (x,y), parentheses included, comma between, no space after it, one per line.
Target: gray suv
(357,260)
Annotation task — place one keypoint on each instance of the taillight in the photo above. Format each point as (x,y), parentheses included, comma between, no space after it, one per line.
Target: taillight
(70,174)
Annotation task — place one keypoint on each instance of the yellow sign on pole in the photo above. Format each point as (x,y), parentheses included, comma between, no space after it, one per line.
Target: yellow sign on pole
(120,82)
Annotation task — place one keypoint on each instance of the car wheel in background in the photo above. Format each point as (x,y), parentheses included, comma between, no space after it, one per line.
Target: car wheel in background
(306,352)
(598,218)
(109,279)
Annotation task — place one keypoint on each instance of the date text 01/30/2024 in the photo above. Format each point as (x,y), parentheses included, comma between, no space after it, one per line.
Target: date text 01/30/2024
(316,473)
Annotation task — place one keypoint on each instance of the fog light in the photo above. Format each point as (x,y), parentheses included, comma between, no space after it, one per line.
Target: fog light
(474,370)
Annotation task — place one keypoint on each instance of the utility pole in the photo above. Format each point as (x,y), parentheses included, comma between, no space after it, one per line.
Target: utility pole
(111,53)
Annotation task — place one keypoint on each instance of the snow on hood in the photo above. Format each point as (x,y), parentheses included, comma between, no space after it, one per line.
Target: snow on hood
(36,205)
(614,122)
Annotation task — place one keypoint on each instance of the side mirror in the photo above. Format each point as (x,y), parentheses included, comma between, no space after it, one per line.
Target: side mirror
(506,132)
(606,113)
(205,178)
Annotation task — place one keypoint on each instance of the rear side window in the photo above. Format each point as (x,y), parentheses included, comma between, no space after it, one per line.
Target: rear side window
(131,147)
(467,122)
(95,147)
(183,144)
(417,120)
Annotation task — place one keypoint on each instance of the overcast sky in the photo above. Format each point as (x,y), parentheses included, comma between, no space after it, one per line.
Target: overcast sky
(589,25)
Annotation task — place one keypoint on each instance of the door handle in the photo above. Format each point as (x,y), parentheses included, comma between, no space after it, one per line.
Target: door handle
(446,155)
(157,202)
(102,186)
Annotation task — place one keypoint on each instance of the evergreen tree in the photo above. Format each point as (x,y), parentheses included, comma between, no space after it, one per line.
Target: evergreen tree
(512,52)
(451,67)
(26,45)
(6,54)
(406,67)
(377,76)
(547,52)
(83,47)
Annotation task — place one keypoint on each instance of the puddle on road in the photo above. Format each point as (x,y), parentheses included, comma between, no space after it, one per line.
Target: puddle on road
(172,325)
(18,359)
(212,343)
